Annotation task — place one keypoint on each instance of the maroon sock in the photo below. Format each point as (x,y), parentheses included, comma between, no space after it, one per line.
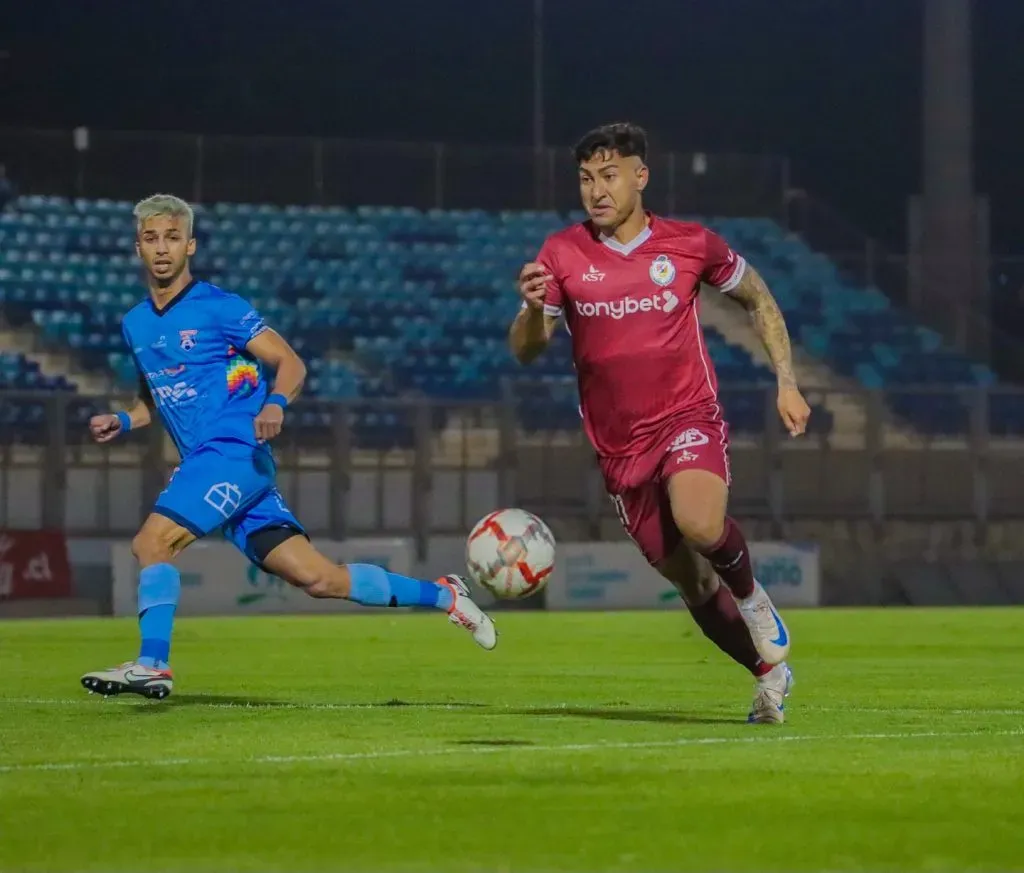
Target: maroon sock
(730,559)
(721,622)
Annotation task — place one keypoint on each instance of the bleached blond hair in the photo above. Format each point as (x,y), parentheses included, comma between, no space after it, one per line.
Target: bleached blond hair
(163,204)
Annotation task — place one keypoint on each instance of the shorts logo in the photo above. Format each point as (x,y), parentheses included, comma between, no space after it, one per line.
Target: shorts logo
(225,497)
(662,271)
(685,457)
(687,440)
(188,339)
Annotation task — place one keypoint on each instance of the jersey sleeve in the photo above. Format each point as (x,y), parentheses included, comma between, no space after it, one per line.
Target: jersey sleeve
(723,268)
(554,300)
(240,321)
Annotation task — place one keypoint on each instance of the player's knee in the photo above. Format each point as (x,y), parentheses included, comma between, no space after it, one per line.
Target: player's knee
(149,549)
(699,527)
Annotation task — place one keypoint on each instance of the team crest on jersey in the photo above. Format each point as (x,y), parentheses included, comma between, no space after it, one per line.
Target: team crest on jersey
(188,339)
(663,271)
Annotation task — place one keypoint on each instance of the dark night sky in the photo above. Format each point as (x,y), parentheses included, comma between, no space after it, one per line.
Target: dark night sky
(834,84)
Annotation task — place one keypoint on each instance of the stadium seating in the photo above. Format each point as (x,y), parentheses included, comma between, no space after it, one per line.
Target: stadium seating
(387,302)
(861,335)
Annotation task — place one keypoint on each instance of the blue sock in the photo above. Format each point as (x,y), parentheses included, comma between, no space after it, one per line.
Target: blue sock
(159,589)
(375,586)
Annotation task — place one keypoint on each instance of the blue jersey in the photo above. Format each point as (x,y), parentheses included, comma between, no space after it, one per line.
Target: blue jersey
(192,357)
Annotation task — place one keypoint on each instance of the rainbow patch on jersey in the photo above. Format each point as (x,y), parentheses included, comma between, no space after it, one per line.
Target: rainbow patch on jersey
(243,375)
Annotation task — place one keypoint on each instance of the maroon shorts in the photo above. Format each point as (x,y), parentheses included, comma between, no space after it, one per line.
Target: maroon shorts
(637,483)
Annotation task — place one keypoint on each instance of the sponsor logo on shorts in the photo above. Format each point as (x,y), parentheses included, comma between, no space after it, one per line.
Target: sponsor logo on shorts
(664,301)
(687,440)
(225,497)
(686,457)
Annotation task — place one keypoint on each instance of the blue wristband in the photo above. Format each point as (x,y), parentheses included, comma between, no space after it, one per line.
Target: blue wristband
(277,400)
(126,421)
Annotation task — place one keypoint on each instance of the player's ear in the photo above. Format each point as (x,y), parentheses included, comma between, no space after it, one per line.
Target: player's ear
(642,177)
(138,248)
(190,249)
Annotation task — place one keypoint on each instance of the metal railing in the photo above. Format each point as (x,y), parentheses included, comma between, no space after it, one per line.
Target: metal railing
(439,466)
(282,170)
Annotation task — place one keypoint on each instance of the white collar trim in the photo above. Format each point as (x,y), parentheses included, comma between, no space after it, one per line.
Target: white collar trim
(631,246)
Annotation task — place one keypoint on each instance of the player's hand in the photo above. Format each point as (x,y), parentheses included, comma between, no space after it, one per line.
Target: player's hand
(269,422)
(793,410)
(533,284)
(104,428)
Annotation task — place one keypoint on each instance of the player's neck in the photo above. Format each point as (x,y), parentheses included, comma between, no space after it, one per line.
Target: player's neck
(163,294)
(632,227)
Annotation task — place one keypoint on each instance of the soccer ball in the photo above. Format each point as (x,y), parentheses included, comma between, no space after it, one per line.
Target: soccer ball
(511,553)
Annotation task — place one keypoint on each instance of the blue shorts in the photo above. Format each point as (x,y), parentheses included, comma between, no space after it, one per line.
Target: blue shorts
(229,486)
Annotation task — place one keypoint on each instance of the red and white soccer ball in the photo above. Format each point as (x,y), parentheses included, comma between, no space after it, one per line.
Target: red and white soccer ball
(511,553)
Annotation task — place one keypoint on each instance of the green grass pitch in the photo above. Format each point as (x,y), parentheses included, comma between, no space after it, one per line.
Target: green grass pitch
(582,743)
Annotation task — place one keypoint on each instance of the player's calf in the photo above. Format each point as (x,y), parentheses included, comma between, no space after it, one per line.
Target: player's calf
(698,500)
(297,562)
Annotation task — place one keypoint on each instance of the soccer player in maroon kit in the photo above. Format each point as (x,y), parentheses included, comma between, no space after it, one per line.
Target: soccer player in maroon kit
(627,283)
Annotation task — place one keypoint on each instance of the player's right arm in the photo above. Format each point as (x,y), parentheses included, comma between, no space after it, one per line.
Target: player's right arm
(535,324)
(106,427)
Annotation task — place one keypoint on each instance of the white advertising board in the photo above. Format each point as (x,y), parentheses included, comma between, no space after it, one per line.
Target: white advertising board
(616,576)
(217,579)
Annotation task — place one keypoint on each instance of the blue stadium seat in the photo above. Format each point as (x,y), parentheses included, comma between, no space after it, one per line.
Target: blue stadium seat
(385,301)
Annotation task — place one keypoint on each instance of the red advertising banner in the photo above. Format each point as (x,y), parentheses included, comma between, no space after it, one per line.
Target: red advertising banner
(34,563)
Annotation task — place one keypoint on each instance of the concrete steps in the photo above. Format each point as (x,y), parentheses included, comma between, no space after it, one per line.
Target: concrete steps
(839,396)
(53,363)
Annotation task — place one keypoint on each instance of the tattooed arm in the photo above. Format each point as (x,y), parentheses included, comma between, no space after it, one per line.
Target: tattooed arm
(753,295)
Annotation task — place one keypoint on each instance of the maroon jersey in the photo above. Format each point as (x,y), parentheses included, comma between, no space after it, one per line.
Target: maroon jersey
(632,311)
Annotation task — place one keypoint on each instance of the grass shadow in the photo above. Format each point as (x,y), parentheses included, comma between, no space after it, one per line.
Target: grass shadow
(231,701)
(644,716)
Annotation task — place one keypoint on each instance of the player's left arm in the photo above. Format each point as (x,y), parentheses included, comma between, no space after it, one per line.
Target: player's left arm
(271,349)
(751,292)
(729,272)
(244,328)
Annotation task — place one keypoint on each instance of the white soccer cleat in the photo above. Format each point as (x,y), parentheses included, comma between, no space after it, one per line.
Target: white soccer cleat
(130,678)
(770,694)
(769,633)
(465,613)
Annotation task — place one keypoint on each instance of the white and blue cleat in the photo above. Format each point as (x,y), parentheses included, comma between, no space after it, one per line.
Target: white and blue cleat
(770,695)
(768,631)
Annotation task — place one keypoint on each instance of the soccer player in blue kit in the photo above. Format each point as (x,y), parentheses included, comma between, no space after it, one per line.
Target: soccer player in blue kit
(203,356)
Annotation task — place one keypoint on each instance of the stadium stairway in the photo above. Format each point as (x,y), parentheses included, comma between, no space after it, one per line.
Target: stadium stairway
(840,396)
(53,363)
(848,413)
